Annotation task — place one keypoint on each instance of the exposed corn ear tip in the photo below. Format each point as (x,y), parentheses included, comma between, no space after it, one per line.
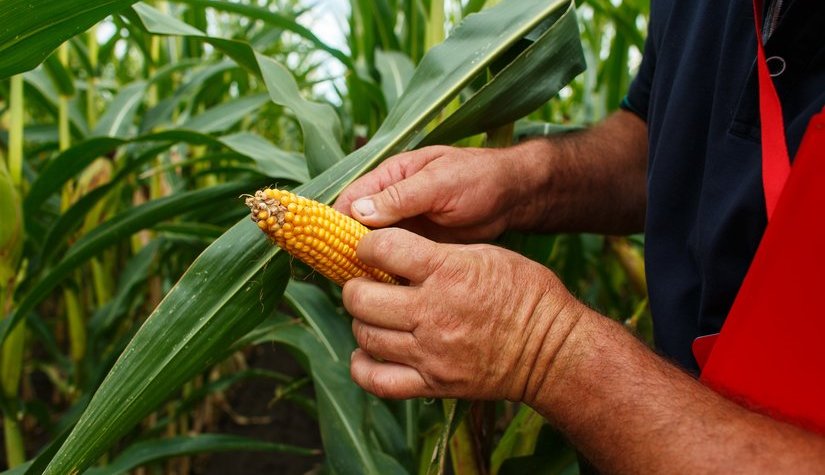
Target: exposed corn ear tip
(313,232)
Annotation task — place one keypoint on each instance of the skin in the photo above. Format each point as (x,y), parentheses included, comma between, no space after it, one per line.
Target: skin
(625,408)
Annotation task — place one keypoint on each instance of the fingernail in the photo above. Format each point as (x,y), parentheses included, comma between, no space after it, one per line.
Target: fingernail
(364,207)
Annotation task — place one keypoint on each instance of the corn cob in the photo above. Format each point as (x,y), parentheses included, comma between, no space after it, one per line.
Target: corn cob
(313,232)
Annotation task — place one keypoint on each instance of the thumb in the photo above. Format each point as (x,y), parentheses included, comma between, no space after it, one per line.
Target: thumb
(404,199)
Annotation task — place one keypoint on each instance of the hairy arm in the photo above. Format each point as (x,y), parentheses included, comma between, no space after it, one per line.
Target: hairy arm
(588,181)
(630,411)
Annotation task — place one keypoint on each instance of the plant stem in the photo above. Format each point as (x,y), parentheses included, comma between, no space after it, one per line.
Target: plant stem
(74,311)
(64,133)
(77,327)
(91,86)
(12,366)
(501,137)
(435,24)
(519,439)
(463,451)
(12,351)
(102,282)
(411,424)
(16,131)
(15,448)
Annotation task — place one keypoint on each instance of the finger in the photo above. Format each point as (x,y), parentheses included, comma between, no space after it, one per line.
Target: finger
(391,171)
(400,252)
(367,185)
(413,196)
(386,306)
(390,345)
(387,380)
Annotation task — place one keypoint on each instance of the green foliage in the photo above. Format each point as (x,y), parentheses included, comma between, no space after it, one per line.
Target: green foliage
(134,227)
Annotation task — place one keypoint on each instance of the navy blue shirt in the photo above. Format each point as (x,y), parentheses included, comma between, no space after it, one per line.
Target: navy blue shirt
(697,90)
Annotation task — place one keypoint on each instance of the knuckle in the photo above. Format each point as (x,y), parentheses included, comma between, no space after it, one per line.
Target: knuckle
(440,150)
(362,335)
(356,329)
(380,243)
(393,197)
(437,377)
(365,338)
(352,298)
(377,385)
(395,168)
(448,272)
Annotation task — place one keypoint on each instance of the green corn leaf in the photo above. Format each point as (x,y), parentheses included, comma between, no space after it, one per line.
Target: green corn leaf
(473,6)
(551,58)
(119,117)
(332,330)
(114,230)
(60,74)
(342,405)
(519,439)
(225,115)
(274,19)
(41,89)
(135,272)
(475,45)
(63,168)
(341,412)
(388,432)
(194,84)
(150,451)
(272,161)
(319,122)
(396,69)
(32,29)
(190,327)
(454,413)
(553,455)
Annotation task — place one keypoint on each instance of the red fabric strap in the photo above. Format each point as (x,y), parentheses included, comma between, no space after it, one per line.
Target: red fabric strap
(776,163)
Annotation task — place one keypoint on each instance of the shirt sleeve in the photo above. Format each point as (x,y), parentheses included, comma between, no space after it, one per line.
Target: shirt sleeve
(637,99)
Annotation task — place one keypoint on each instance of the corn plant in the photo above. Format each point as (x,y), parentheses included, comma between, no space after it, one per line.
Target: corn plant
(131,277)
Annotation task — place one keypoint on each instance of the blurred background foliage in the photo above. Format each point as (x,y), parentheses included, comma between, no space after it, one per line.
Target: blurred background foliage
(123,155)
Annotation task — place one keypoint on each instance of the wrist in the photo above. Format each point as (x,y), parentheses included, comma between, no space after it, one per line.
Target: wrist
(531,168)
(560,349)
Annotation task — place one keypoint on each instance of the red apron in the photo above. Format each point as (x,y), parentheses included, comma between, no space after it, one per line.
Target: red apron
(770,355)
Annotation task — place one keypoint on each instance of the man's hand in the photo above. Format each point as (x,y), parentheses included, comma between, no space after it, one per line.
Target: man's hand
(462,328)
(445,193)
(588,181)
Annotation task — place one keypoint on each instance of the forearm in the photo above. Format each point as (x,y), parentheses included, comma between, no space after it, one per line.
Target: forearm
(588,181)
(629,411)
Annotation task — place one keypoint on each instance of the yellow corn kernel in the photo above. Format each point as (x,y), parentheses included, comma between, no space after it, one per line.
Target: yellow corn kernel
(313,232)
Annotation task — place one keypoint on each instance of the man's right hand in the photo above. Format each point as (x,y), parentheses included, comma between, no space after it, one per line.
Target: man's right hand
(588,181)
(444,193)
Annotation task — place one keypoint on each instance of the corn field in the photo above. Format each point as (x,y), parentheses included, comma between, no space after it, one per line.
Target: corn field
(149,327)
